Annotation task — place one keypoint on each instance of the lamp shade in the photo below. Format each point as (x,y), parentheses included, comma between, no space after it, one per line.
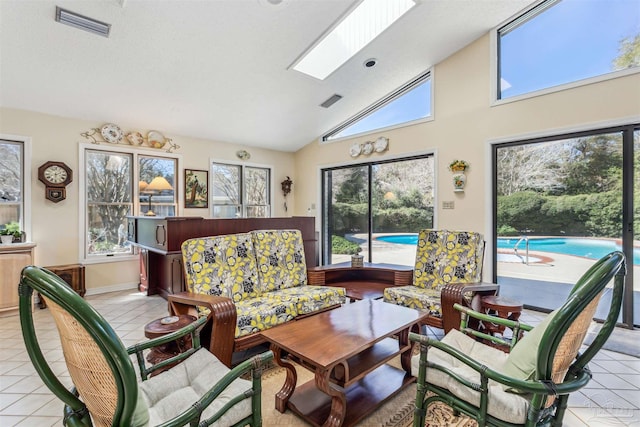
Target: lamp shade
(159,183)
(142,185)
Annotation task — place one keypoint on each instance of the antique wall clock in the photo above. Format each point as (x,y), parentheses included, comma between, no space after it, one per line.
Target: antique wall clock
(55,176)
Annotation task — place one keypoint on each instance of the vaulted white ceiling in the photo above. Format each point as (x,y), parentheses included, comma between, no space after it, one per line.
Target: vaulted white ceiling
(218,69)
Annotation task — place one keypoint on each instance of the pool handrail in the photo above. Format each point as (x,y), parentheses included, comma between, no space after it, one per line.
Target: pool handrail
(515,249)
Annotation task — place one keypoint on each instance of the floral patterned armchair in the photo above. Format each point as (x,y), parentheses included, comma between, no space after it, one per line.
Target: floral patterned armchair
(448,270)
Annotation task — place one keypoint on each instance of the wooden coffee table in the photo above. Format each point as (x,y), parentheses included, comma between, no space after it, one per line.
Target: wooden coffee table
(347,349)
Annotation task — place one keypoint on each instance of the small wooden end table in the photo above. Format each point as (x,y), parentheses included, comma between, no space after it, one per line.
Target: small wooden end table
(502,307)
(164,326)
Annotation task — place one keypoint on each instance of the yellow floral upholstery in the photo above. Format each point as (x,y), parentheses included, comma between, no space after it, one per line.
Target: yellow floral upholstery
(259,314)
(442,257)
(311,298)
(263,272)
(280,258)
(221,266)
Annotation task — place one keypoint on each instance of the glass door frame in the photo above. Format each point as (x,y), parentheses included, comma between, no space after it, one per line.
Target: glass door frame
(326,212)
(627,132)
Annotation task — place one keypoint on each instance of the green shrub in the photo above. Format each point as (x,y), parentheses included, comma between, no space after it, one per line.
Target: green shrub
(340,245)
(507,230)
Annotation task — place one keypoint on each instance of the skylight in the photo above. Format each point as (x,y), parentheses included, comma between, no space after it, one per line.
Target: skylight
(355,31)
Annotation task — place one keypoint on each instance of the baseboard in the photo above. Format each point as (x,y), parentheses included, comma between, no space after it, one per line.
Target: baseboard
(112,288)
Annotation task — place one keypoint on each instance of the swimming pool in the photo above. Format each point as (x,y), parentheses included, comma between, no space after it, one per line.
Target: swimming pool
(588,248)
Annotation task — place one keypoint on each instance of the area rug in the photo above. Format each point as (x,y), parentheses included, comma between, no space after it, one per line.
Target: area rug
(396,412)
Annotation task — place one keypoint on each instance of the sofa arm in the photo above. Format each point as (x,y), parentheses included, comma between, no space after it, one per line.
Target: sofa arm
(222,318)
(465,294)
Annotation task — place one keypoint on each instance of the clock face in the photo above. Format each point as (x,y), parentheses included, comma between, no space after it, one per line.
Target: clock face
(55,174)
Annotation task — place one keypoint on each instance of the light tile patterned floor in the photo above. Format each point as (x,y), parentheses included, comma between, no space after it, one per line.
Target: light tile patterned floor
(612,398)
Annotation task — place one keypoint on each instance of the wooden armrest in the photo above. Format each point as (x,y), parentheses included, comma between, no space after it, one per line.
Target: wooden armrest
(453,293)
(222,316)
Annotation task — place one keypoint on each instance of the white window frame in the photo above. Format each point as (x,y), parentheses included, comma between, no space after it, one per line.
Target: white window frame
(25,221)
(494,59)
(384,101)
(135,194)
(243,166)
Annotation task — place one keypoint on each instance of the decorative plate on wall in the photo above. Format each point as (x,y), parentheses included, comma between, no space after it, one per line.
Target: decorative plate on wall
(367,148)
(111,133)
(381,144)
(355,150)
(155,139)
(243,154)
(135,138)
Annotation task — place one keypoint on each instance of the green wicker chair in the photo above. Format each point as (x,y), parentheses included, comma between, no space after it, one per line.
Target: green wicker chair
(198,391)
(529,386)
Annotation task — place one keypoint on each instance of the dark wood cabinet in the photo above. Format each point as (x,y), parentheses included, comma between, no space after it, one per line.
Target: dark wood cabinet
(73,274)
(160,238)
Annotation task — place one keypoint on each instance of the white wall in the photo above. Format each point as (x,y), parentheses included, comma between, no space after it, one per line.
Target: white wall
(55,226)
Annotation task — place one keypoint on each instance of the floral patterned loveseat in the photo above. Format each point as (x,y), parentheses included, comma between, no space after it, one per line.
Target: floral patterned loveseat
(247,283)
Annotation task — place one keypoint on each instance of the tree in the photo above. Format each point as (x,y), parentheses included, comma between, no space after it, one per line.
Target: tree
(531,167)
(350,186)
(629,53)
(109,199)
(10,166)
(594,164)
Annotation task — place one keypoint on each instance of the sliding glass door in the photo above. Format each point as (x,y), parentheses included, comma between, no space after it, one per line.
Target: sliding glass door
(376,209)
(560,204)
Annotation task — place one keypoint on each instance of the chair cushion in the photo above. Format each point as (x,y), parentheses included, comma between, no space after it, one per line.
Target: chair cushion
(222,266)
(523,358)
(503,405)
(259,314)
(414,297)
(444,257)
(175,390)
(280,258)
(140,417)
(311,298)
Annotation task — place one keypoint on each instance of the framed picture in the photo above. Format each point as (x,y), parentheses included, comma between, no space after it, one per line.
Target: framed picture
(196,188)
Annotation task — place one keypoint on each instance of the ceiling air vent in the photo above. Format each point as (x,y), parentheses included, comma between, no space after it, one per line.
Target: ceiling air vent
(84,23)
(329,102)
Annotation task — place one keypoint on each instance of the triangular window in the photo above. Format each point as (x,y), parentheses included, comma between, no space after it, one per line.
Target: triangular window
(409,103)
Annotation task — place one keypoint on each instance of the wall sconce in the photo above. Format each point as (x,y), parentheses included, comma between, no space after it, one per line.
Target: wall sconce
(157,185)
(286,189)
(458,167)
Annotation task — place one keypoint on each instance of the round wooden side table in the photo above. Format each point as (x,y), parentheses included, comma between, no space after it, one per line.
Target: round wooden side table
(164,326)
(502,307)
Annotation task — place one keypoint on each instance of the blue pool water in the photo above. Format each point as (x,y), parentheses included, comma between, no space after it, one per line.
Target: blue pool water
(588,248)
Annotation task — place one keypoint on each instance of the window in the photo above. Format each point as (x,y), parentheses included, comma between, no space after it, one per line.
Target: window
(12,182)
(409,103)
(559,42)
(118,183)
(362,205)
(157,185)
(240,191)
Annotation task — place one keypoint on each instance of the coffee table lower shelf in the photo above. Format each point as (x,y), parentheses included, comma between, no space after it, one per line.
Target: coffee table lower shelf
(363,397)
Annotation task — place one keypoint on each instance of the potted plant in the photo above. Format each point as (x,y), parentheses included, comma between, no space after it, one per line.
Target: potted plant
(10,232)
(5,237)
(458,166)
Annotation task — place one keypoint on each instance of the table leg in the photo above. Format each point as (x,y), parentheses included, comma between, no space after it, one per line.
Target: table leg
(338,399)
(403,341)
(282,396)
